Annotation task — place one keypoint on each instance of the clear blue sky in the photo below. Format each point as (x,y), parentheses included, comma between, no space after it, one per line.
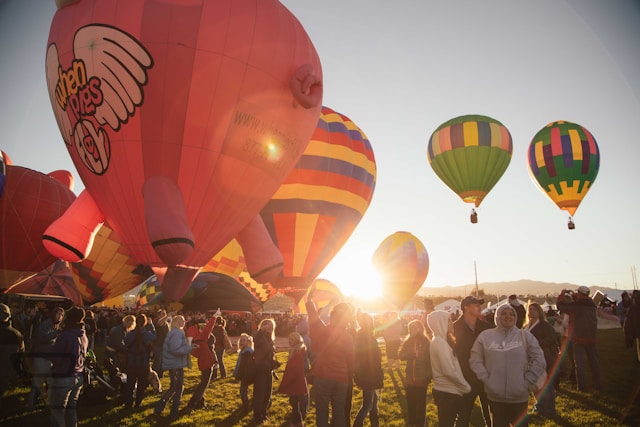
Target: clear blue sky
(400,69)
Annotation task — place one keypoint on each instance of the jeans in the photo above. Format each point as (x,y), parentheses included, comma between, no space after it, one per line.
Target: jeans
(369,407)
(198,393)
(329,392)
(546,405)
(448,405)
(579,353)
(416,405)
(467,401)
(299,407)
(63,400)
(262,388)
(244,393)
(138,379)
(41,374)
(176,388)
(223,369)
(509,414)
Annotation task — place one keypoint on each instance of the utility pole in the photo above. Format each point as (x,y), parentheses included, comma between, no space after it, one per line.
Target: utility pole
(634,279)
(475,269)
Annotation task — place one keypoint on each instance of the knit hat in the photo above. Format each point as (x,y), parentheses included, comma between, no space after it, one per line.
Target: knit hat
(74,315)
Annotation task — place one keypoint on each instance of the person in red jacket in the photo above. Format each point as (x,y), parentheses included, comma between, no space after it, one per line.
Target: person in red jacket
(294,380)
(207,362)
(335,358)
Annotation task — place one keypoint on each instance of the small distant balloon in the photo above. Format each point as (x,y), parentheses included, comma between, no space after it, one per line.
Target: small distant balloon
(564,160)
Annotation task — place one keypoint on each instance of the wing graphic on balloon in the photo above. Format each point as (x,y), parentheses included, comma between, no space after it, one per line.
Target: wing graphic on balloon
(470,154)
(403,263)
(564,160)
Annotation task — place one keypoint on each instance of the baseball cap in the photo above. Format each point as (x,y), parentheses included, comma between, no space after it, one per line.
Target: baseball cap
(583,290)
(470,300)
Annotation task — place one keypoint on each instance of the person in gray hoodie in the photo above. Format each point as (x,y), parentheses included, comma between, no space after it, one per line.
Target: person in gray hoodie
(508,361)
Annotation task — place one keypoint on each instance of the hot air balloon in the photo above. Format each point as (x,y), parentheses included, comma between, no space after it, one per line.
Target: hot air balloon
(109,270)
(181,119)
(263,291)
(403,263)
(210,291)
(469,154)
(149,289)
(564,160)
(325,294)
(321,202)
(30,203)
(56,279)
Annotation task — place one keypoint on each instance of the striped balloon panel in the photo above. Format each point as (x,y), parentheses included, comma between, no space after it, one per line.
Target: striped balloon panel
(323,199)
(109,270)
(403,262)
(470,154)
(564,160)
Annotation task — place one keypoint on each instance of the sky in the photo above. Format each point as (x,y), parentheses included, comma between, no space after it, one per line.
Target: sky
(399,70)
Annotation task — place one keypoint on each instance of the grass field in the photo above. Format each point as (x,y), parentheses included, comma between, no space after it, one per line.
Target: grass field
(618,404)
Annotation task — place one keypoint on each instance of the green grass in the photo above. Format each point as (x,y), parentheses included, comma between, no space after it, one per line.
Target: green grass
(620,398)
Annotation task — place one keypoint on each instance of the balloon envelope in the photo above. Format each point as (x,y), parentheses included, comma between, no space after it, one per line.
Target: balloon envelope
(469,154)
(403,263)
(564,160)
(30,202)
(56,279)
(148,291)
(109,270)
(325,294)
(181,118)
(319,205)
(210,291)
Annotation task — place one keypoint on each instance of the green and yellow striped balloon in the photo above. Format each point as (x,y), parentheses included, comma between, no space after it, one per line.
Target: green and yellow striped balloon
(470,154)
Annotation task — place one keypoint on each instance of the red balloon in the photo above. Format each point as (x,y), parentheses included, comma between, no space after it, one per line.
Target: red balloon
(182,118)
(30,203)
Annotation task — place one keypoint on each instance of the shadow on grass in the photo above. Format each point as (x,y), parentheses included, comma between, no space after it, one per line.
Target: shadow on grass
(398,389)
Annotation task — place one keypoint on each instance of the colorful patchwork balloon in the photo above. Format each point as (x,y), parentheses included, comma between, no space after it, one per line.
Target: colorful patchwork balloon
(470,154)
(564,160)
(403,263)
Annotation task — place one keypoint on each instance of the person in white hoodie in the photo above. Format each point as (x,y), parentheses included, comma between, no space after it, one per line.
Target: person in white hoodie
(508,361)
(448,382)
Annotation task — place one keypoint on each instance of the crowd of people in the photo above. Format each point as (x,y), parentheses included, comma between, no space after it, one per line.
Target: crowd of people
(522,351)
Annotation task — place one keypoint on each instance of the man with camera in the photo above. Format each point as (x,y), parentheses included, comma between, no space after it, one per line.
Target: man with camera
(583,328)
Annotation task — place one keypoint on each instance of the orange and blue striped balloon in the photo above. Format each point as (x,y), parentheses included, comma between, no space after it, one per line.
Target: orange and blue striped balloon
(318,206)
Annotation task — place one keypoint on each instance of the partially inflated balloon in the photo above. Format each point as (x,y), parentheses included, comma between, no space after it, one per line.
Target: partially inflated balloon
(403,263)
(148,291)
(109,270)
(470,154)
(56,279)
(324,293)
(30,203)
(564,160)
(182,118)
(229,261)
(319,205)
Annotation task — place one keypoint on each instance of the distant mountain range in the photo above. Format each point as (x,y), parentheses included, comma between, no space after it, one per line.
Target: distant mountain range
(521,287)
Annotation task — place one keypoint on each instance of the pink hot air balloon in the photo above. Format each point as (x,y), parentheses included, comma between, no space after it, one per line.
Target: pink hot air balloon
(182,119)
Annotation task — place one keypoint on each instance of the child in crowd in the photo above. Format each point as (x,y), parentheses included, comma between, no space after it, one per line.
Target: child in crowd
(294,380)
(245,368)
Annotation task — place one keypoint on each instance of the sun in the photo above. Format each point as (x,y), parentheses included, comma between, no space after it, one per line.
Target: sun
(354,275)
